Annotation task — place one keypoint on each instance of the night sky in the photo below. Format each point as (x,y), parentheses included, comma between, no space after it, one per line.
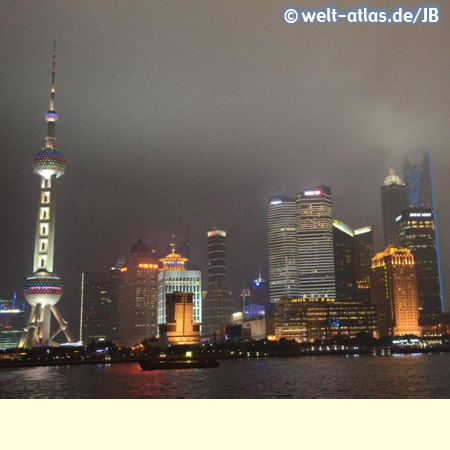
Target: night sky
(175,116)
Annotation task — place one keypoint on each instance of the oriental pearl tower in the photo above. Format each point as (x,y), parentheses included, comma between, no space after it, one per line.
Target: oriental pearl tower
(44,289)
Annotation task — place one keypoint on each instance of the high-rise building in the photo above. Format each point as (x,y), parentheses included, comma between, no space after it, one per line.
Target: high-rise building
(316,272)
(175,277)
(114,276)
(44,289)
(12,321)
(393,200)
(420,186)
(180,328)
(364,252)
(419,181)
(255,298)
(217,306)
(282,233)
(416,232)
(259,291)
(97,315)
(394,292)
(344,262)
(138,296)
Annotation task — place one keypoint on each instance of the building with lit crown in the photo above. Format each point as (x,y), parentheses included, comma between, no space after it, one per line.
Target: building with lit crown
(415,228)
(364,252)
(217,306)
(394,292)
(393,200)
(175,277)
(315,251)
(344,262)
(282,235)
(44,289)
(138,296)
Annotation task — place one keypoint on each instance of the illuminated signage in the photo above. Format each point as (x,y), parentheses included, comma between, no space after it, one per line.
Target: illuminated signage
(10,311)
(423,214)
(148,266)
(310,193)
(123,269)
(276,202)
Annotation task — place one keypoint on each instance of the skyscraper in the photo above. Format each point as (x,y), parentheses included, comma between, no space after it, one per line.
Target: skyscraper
(138,295)
(394,292)
(315,244)
(282,233)
(114,276)
(44,289)
(420,186)
(12,321)
(419,181)
(344,262)
(393,200)
(217,306)
(174,277)
(97,315)
(364,252)
(416,232)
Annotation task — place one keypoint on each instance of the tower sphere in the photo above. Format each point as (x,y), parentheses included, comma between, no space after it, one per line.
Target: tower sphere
(51,116)
(48,162)
(44,288)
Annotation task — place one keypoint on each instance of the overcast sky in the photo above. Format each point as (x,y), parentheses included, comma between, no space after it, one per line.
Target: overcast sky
(178,115)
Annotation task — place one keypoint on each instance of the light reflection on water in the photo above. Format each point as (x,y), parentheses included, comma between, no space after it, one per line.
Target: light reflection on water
(367,376)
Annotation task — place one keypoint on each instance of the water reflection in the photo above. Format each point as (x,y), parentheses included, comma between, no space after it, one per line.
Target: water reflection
(365,376)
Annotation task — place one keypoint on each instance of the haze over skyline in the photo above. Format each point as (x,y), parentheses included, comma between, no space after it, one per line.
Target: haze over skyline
(176,117)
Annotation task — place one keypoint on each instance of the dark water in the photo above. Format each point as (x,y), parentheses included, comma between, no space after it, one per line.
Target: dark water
(407,376)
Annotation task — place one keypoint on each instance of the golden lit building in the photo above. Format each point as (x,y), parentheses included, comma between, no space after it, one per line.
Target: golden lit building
(179,275)
(394,292)
(180,328)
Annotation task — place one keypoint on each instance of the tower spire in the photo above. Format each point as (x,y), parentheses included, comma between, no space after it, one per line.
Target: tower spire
(52,90)
(51,117)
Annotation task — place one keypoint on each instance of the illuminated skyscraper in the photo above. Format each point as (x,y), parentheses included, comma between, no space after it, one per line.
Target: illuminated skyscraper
(282,233)
(420,185)
(217,305)
(394,292)
(12,321)
(138,296)
(344,262)
(315,244)
(174,277)
(393,200)
(44,289)
(416,232)
(419,181)
(364,252)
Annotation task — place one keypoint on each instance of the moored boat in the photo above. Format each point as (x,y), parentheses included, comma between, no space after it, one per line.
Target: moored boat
(171,364)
